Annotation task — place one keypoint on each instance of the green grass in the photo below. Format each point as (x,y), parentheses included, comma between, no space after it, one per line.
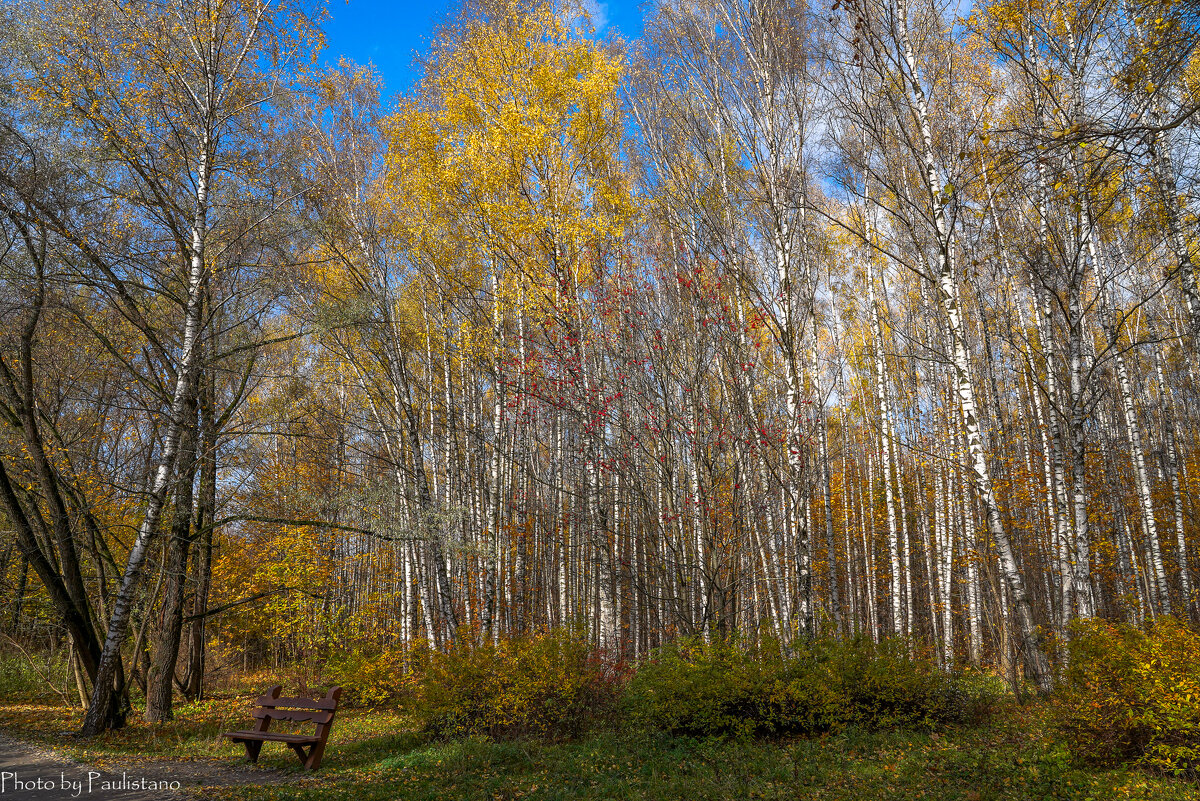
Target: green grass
(195,733)
(373,756)
(1013,759)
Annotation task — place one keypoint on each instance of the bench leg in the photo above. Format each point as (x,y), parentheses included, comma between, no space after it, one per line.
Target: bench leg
(252,749)
(314,756)
(300,753)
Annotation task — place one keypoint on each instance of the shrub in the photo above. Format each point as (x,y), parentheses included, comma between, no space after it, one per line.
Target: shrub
(36,678)
(374,678)
(887,687)
(1133,695)
(884,687)
(695,689)
(972,697)
(704,690)
(544,685)
(803,696)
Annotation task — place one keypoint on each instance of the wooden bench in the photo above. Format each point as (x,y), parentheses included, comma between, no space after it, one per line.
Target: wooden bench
(299,710)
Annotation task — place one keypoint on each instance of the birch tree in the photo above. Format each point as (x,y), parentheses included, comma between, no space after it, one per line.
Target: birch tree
(164,98)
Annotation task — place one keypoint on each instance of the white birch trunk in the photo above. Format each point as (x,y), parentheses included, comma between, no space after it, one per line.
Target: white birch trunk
(946,281)
(1142,478)
(1172,466)
(100,706)
(885,453)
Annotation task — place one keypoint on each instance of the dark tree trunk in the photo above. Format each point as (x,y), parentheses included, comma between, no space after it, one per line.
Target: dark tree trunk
(161,676)
(193,682)
(21,582)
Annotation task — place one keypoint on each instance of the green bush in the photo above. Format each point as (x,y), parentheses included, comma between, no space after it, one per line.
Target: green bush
(695,689)
(801,695)
(550,685)
(375,678)
(21,681)
(886,687)
(1133,695)
(705,690)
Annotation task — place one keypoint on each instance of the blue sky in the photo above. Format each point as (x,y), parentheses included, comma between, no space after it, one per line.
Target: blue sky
(391,34)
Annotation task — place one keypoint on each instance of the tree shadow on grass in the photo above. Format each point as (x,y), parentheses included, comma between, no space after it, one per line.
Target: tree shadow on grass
(370,751)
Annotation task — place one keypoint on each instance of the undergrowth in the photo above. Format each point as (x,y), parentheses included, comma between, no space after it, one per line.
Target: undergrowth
(1132,695)
(702,689)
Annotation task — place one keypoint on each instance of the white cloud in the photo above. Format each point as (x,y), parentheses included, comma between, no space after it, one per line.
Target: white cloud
(598,11)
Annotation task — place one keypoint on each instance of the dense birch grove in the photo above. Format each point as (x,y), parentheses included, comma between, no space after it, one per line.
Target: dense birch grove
(786,319)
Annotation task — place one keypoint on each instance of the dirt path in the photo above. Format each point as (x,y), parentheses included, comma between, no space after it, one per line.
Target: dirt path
(28,773)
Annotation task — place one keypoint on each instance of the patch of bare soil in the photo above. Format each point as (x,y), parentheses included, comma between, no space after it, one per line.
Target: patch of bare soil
(30,773)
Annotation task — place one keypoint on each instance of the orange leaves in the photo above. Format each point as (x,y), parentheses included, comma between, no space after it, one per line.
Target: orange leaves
(1134,695)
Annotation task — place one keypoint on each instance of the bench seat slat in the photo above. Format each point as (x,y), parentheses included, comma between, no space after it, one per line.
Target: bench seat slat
(299,739)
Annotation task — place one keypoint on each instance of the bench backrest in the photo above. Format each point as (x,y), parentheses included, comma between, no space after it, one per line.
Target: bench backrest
(299,710)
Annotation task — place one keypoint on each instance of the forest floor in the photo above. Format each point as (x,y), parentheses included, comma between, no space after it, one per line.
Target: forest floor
(373,755)
(32,773)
